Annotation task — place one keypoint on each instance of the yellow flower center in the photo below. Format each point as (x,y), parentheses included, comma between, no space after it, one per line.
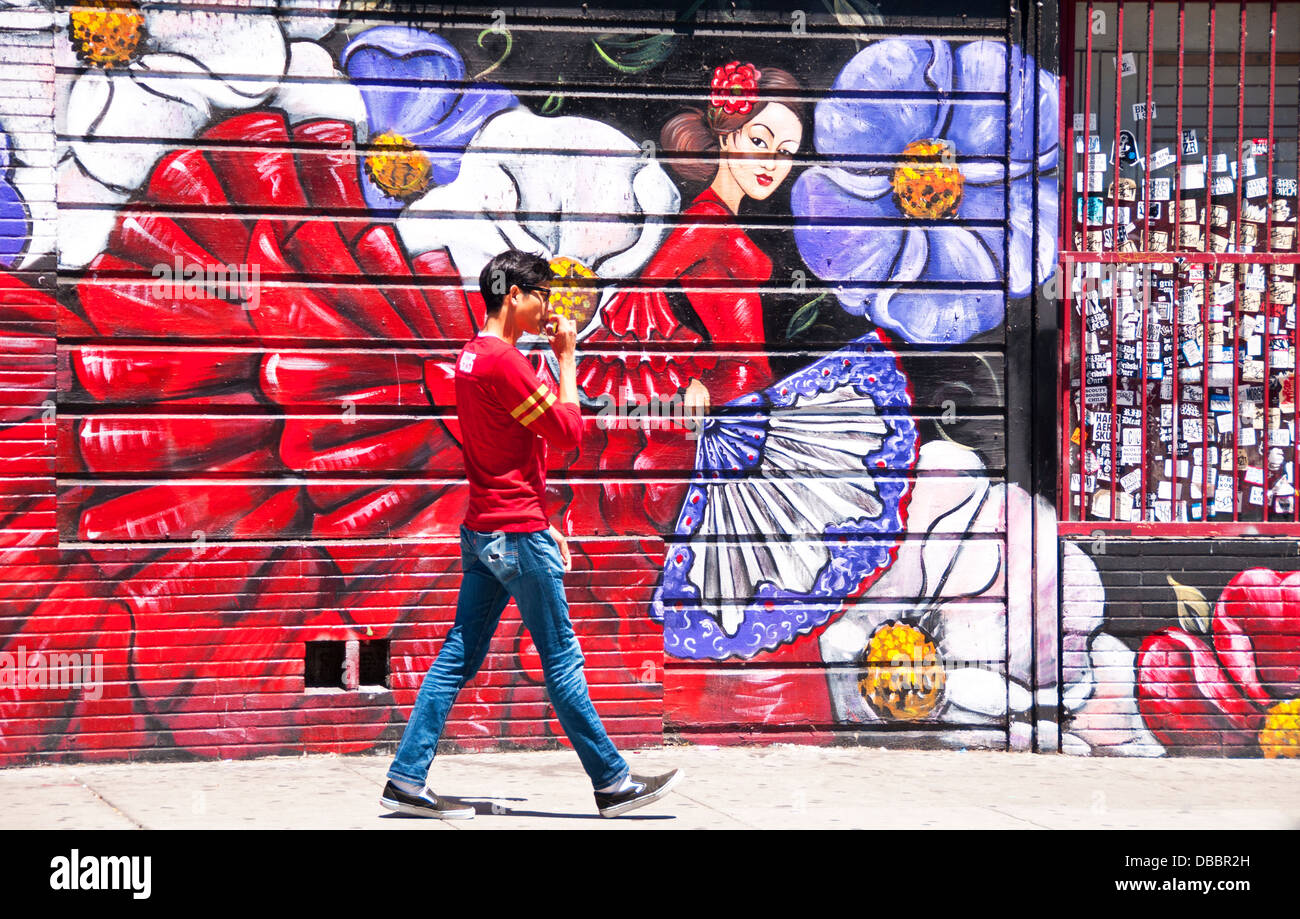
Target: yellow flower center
(928,184)
(903,678)
(1280,735)
(107,33)
(573,291)
(398,167)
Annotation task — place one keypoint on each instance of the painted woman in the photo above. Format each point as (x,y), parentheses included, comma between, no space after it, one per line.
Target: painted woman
(782,504)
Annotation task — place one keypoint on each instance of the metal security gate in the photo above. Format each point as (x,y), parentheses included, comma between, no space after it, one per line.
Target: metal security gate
(1179,333)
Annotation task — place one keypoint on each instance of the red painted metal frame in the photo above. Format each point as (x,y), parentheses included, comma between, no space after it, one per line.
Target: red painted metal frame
(1207,261)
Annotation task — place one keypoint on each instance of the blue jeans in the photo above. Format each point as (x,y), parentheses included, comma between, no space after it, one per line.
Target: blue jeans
(498,566)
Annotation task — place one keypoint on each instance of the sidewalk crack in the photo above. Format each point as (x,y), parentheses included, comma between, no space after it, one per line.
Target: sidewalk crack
(117,810)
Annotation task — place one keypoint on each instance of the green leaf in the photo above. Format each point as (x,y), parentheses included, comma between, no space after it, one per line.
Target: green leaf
(854,13)
(555,101)
(633,53)
(1193,608)
(804,317)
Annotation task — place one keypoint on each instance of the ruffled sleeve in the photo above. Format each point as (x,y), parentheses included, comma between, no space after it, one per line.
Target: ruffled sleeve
(695,253)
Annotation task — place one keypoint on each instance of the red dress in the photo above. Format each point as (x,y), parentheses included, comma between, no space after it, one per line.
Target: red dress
(707,250)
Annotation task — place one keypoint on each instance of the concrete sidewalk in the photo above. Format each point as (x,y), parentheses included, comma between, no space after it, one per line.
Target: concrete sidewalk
(782,786)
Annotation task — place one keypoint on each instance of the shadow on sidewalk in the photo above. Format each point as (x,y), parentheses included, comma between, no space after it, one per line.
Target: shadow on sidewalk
(493,807)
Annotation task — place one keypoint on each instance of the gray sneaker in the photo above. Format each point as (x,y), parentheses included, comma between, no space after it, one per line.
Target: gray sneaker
(425,804)
(644,790)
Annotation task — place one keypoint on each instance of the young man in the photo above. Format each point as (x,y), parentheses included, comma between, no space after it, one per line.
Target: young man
(508,549)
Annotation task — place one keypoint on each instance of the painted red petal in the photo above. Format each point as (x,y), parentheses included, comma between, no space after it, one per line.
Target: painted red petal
(25,448)
(38,717)
(442,517)
(459,313)
(333,379)
(329,445)
(440,383)
(259,168)
(373,514)
(286,310)
(159,241)
(1187,700)
(136,376)
(115,444)
(331,177)
(186,178)
(317,248)
(145,307)
(173,511)
(1257,633)
(379,253)
(279,515)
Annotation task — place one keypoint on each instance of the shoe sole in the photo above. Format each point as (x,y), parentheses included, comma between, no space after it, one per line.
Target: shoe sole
(620,809)
(414,811)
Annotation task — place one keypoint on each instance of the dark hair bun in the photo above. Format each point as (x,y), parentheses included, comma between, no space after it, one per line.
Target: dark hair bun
(689,135)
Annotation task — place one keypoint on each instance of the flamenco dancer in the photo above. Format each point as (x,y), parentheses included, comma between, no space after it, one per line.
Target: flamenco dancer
(791,507)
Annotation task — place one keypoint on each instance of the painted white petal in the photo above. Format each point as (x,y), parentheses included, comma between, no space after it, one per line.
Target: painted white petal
(80,240)
(847,703)
(657,198)
(468,218)
(973,691)
(87,99)
(309,19)
(126,165)
(1109,721)
(1074,746)
(1083,604)
(243,43)
(973,631)
(178,77)
(932,497)
(1019,698)
(843,640)
(1048,734)
(322,93)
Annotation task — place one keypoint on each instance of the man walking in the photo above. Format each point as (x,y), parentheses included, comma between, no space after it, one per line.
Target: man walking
(508,549)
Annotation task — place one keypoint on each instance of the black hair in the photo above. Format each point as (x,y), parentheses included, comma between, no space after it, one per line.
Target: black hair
(510,268)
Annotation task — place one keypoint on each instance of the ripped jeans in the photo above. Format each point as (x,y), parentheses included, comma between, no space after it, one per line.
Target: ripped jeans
(498,566)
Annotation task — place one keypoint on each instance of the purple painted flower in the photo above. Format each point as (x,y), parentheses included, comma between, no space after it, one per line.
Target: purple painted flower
(420,112)
(13,215)
(912,234)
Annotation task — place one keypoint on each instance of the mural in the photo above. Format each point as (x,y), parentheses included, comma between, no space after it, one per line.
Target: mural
(789,511)
(1214,652)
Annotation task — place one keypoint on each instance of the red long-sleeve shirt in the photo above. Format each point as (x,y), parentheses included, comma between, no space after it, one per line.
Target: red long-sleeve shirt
(507,417)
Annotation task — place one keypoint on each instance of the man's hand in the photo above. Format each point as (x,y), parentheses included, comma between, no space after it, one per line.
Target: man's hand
(562,543)
(563,336)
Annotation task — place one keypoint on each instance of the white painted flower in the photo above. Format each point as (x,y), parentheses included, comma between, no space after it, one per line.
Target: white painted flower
(135,79)
(930,639)
(558,187)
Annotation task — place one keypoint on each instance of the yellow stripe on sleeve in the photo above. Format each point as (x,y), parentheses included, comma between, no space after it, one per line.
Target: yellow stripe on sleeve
(537,412)
(528,403)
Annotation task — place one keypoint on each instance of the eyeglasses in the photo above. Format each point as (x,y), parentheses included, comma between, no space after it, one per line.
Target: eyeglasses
(544,291)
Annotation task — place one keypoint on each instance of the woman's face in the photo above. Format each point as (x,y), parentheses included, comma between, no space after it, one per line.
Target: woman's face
(759,154)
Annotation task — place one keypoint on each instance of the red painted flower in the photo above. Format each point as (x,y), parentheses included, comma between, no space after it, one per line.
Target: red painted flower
(307,279)
(734,88)
(1242,695)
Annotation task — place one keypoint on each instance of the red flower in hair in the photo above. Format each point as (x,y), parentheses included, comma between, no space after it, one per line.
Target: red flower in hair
(734,88)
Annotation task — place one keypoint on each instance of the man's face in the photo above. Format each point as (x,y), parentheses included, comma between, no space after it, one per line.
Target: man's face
(532,307)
